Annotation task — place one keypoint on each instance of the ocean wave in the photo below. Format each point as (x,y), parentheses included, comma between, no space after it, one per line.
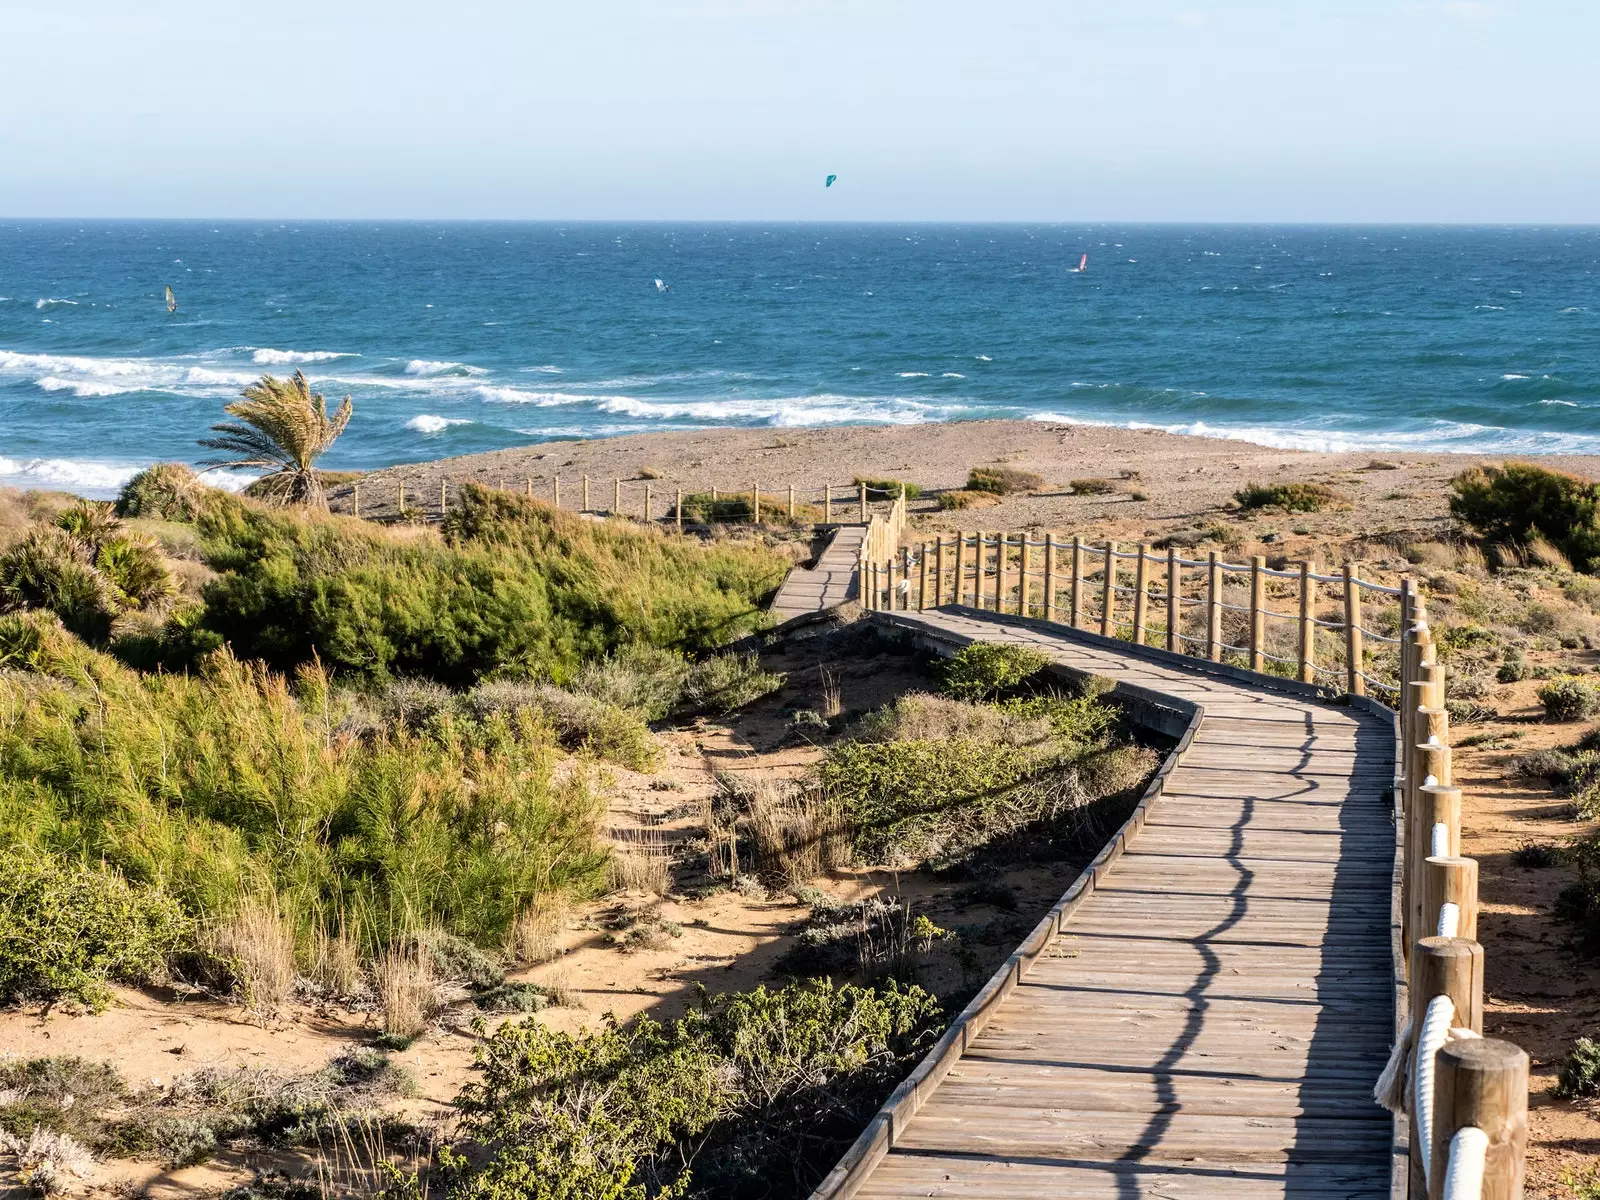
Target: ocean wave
(51,301)
(913,374)
(67,473)
(1515,376)
(426,366)
(429,423)
(267,357)
(547,369)
(1563,403)
(85,388)
(511,395)
(787,411)
(952,375)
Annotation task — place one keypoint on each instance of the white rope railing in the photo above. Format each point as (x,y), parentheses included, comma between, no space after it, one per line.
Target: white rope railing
(1469,1153)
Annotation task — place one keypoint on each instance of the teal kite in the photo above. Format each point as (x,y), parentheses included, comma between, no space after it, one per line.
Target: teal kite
(831,178)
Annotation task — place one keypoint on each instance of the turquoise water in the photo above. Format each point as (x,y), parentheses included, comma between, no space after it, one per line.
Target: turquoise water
(454,338)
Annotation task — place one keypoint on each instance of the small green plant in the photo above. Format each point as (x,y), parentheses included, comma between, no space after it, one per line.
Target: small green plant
(1291,497)
(136,571)
(1092,487)
(1580,1071)
(1517,503)
(984,670)
(1003,481)
(165,492)
(50,569)
(1569,699)
(725,682)
(90,521)
(67,929)
(1535,856)
(889,489)
(962,498)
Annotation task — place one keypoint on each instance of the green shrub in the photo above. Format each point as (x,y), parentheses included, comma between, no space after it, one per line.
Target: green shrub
(1003,481)
(49,569)
(1569,699)
(962,498)
(889,489)
(231,782)
(136,571)
(66,929)
(987,669)
(1517,503)
(90,521)
(1091,487)
(733,508)
(519,588)
(1580,1071)
(750,1094)
(1291,497)
(581,721)
(726,682)
(166,491)
(648,680)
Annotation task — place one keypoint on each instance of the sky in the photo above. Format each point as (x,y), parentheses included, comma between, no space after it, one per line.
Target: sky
(1058,110)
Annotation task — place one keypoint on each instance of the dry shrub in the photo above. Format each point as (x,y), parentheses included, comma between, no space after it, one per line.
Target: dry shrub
(536,937)
(336,963)
(641,861)
(1539,552)
(832,694)
(1112,771)
(405,990)
(795,837)
(1003,481)
(256,944)
(1091,487)
(961,498)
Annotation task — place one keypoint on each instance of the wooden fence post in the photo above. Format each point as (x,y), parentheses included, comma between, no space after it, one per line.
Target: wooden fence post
(938,572)
(827,504)
(355,492)
(1482,1084)
(1308,628)
(1432,804)
(961,567)
(863,504)
(1258,620)
(1076,598)
(1354,651)
(680,510)
(555,491)
(1050,576)
(1000,541)
(616,497)
(1141,594)
(905,573)
(1108,595)
(400,499)
(586,493)
(442,504)
(1022,575)
(922,578)
(791,502)
(755,504)
(1450,967)
(647,504)
(1213,608)
(1174,609)
(1451,879)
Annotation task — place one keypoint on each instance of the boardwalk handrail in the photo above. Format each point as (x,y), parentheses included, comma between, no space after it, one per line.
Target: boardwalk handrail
(1460,1100)
(1027,573)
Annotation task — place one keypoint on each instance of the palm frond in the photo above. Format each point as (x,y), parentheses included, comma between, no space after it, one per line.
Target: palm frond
(283,427)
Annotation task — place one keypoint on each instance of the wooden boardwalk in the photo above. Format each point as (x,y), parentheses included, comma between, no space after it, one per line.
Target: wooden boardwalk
(828,584)
(1212,1015)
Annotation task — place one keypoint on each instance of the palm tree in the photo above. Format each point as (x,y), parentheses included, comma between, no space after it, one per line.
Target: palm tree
(282,427)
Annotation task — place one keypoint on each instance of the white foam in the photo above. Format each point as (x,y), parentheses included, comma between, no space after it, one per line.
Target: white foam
(511,395)
(426,366)
(787,410)
(984,358)
(429,423)
(1514,376)
(1563,403)
(49,301)
(87,475)
(547,369)
(83,387)
(953,375)
(913,374)
(277,358)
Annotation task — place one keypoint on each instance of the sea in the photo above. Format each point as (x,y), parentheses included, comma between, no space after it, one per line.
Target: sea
(453,338)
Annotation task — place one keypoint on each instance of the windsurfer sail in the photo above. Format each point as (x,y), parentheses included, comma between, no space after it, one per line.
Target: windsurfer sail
(172,302)
(830,180)
(663,286)
(1083,265)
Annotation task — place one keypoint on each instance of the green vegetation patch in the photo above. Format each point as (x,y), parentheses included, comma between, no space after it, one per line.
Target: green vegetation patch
(889,489)
(985,670)
(735,508)
(1003,481)
(1517,503)
(1291,497)
(756,1093)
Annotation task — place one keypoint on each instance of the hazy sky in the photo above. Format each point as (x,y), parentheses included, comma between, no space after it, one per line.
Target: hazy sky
(1245,110)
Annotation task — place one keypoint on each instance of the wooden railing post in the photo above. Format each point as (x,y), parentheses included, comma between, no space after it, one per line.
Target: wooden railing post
(1451,967)
(791,502)
(1258,608)
(1000,543)
(616,497)
(1076,598)
(905,573)
(647,503)
(586,494)
(680,510)
(1022,575)
(961,566)
(1050,576)
(1451,879)
(1354,651)
(555,491)
(922,578)
(755,504)
(863,504)
(1108,593)
(355,494)
(442,505)
(1213,608)
(400,499)
(1308,628)
(938,572)
(827,504)
(1174,609)
(1482,1084)
(1141,596)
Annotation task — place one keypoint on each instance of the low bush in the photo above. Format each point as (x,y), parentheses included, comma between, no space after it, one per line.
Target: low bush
(1003,481)
(734,508)
(984,670)
(1535,856)
(49,569)
(90,521)
(725,682)
(1516,503)
(756,1093)
(580,721)
(1580,1071)
(889,489)
(1091,487)
(960,498)
(648,680)
(879,937)
(66,929)
(136,570)
(166,491)
(1569,699)
(1291,497)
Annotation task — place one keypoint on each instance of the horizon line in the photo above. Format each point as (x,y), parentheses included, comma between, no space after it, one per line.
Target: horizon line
(833,221)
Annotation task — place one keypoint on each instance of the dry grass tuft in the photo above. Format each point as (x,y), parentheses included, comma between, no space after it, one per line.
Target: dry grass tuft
(336,964)
(536,937)
(405,990)
(641,860)
(257,944)
(832,694)
(795,838)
